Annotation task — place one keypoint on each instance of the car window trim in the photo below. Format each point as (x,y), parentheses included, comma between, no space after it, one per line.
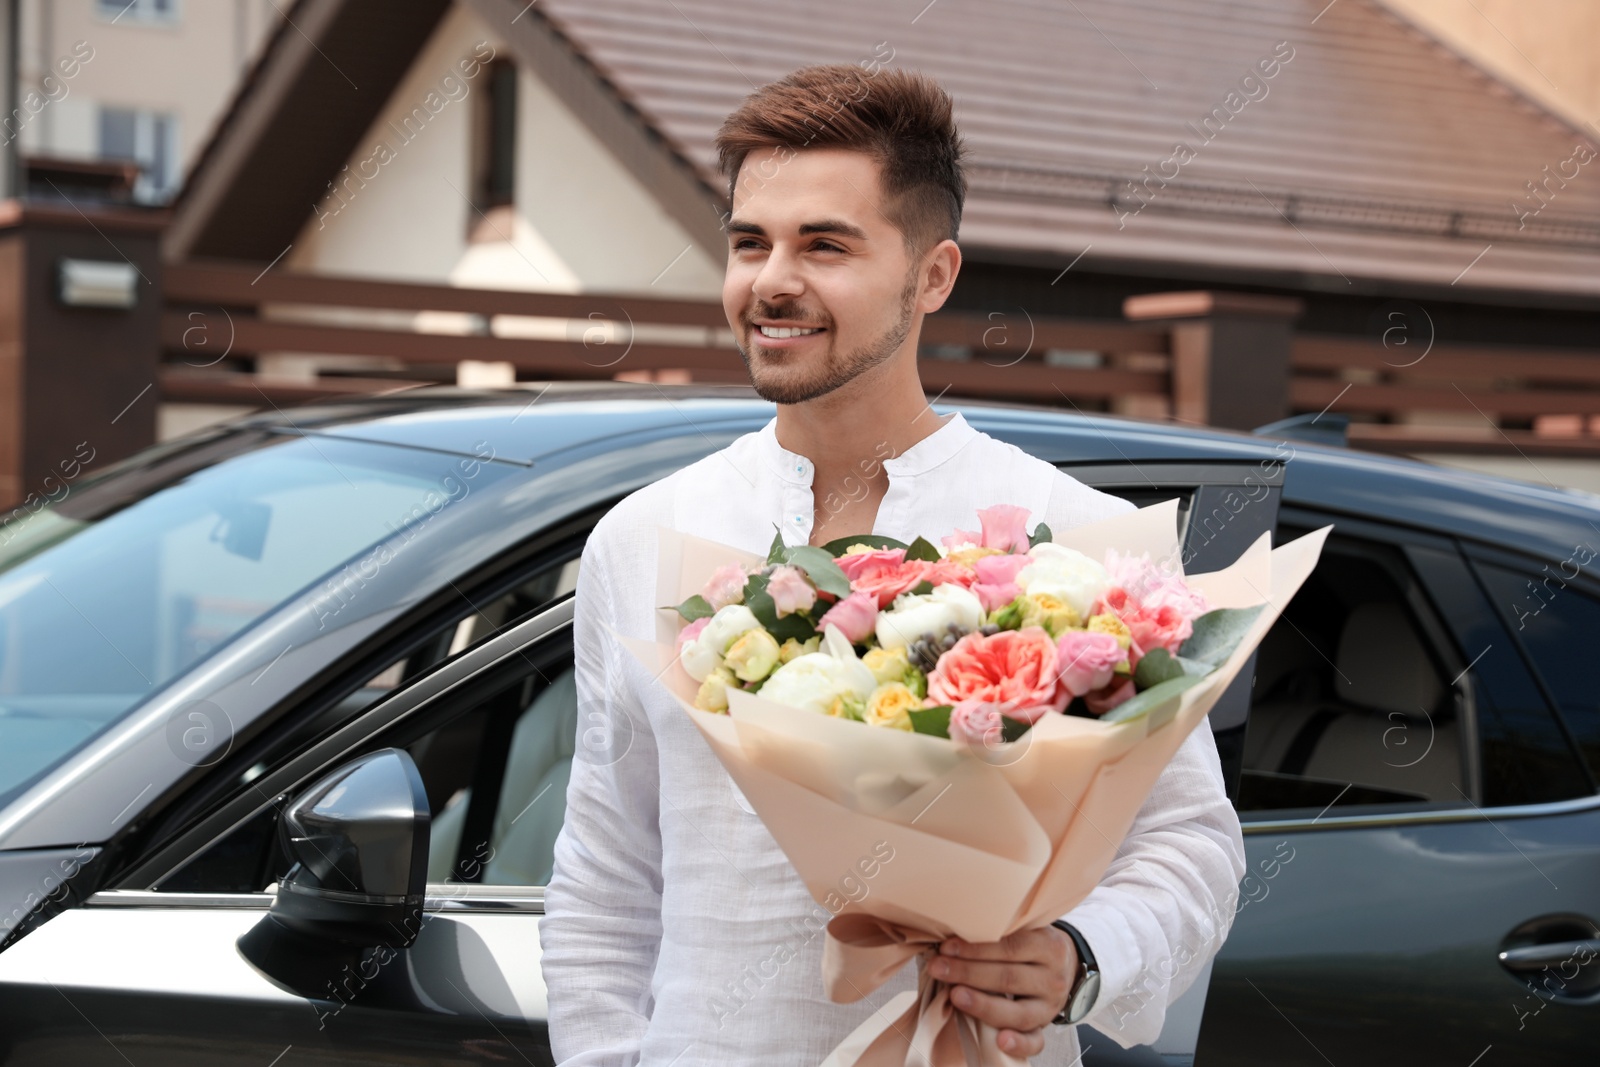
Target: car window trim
(1173,474)
(1411,818)
(476,662)
(441,897)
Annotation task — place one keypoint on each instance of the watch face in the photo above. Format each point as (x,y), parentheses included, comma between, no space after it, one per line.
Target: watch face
(1084,998)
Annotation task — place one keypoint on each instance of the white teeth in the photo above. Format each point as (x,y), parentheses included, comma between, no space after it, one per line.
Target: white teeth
(779,332)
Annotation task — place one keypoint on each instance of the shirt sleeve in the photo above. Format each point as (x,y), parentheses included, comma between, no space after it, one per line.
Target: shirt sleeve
(1167,902)
(602,924)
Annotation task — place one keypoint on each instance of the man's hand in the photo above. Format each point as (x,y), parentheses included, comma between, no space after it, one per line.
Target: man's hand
(1036,967)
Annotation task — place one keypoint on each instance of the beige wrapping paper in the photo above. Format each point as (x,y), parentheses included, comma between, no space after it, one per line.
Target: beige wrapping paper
(985,843)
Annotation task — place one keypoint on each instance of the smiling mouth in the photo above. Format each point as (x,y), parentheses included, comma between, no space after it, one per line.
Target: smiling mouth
(779,333)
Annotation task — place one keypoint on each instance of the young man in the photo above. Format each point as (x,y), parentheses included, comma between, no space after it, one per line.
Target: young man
(676,931)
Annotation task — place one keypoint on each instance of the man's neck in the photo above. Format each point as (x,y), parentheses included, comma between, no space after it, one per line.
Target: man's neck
(841,437)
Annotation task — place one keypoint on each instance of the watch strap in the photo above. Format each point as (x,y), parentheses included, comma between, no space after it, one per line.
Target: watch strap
(1086,988)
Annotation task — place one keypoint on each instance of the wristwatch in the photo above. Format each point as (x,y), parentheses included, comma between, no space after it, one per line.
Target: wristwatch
(1087,987)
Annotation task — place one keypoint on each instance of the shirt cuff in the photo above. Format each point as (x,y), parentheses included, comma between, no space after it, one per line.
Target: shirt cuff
(1116,955)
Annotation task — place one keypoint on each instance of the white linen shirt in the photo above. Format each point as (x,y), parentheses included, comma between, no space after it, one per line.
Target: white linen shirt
(676,932)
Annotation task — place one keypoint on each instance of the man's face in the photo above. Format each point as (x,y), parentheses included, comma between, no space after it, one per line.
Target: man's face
(819,287)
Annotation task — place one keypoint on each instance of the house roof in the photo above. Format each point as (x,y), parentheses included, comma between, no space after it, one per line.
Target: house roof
(1372,154)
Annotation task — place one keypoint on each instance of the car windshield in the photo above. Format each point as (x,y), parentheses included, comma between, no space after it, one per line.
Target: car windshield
(139,575)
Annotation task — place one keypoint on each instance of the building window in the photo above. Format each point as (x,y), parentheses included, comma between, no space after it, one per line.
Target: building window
(120,11)
(495,150)
(149,139)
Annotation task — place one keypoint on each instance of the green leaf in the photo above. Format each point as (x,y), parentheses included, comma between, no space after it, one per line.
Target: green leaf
(922,588)
(922,548)
(1144,703)
(935,721)
(1217,633)
(835,548)
(775,553)
(1040,534)
(760,603)
(1011,729)
(696,607)
(819,566)
(1158,666)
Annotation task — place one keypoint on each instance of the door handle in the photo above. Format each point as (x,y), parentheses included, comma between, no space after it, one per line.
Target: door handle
(1556,956)
(1551,954)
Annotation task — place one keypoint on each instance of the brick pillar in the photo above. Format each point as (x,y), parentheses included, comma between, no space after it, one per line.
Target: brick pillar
(74,381)
(1230,354)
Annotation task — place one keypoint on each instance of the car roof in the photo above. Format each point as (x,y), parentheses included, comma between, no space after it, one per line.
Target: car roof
(535,422)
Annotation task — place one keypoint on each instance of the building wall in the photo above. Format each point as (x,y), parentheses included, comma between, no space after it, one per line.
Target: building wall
(1549,49)
(184,67)
(581,222)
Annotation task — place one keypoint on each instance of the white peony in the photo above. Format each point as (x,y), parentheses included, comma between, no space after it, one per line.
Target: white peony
(914,614)
(704,654)
(813,680)
(1066,574)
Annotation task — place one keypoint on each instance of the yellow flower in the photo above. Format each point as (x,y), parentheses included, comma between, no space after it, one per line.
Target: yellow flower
(792,648)
(856,549)
(846,706)
(890,705)
(1049,611)
(1106,623)
(752,656)
(713,693)
(970,556)
(887,664)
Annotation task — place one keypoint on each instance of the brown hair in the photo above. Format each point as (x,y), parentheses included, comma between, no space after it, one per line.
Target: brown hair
(901,118)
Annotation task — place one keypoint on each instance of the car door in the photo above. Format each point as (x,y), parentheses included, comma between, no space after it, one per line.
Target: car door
(149,972)
(1223,506)
(1420,830)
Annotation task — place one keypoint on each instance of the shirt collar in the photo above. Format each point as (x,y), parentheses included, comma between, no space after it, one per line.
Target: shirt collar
(923,456)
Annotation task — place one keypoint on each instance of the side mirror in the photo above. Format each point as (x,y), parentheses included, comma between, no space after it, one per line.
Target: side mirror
(359,841)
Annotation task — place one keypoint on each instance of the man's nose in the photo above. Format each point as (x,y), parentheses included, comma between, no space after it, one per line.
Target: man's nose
(779,278)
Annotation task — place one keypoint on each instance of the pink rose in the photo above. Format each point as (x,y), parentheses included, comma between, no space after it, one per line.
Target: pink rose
(855,563)
(725,586)
(887,577)
(997,570)
(855,616)
(1103,700)
(961,537)
(1162,627)
(1159,608)
(1152,587)
(690,632)
(977,722)
(1003,527)
(1012,666)
(1086,660)
(790,591)
(993,597)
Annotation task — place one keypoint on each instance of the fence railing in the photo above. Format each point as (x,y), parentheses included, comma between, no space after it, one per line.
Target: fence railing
(226,327)
(1452,397)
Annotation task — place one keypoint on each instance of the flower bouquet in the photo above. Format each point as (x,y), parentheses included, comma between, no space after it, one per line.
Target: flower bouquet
(996,707)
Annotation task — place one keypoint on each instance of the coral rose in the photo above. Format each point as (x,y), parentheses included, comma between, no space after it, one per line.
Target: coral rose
(1012,666)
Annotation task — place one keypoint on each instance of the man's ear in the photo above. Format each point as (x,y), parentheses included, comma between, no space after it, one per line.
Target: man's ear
(940,265)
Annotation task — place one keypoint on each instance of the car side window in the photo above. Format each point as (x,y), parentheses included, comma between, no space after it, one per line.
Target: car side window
(497,782)
(1354,700)
(249,858)
(1556,622)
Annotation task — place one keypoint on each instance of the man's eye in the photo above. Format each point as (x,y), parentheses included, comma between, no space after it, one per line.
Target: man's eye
(827,246)
(745,243)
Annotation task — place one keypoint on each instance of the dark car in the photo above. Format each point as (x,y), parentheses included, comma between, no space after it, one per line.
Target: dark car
(243,673)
